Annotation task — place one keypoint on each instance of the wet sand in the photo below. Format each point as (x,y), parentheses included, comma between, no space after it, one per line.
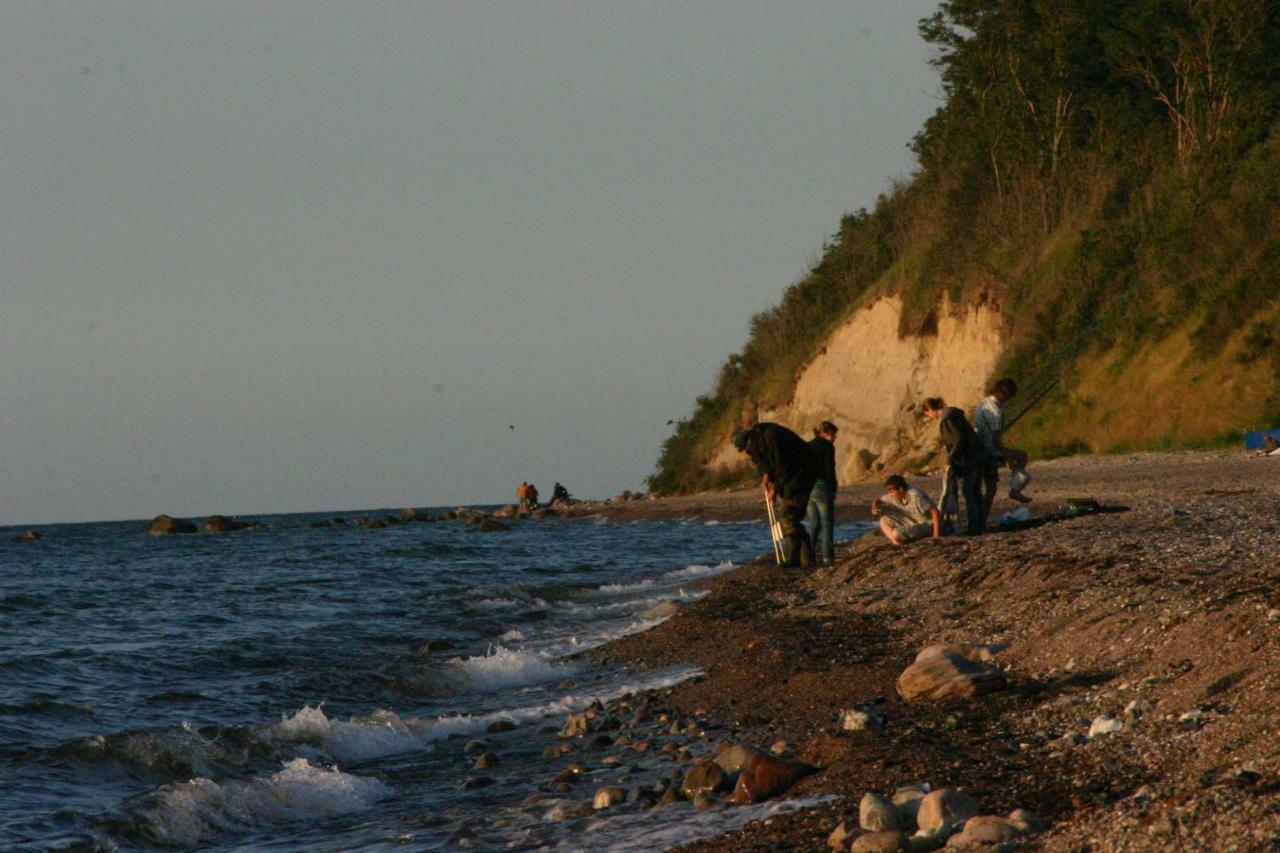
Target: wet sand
(1165,616)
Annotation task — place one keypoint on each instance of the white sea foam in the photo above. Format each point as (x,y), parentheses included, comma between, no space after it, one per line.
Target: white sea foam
(380,734)
(612,588)
(200,811)
(699,571)
(503,668)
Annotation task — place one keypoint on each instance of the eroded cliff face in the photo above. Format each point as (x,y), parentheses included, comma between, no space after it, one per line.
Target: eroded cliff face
(871,382)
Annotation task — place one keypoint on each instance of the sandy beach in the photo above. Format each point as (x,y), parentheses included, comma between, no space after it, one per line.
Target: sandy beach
(1159,621)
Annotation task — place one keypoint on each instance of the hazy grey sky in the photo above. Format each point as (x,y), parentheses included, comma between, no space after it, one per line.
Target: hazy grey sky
(267,257)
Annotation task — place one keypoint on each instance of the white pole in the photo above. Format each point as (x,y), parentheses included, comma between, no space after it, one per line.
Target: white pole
(775,530)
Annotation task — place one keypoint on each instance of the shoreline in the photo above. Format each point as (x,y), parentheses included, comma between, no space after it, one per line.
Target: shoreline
(1161,618)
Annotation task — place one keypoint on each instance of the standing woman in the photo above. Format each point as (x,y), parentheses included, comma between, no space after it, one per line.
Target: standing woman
(821,515)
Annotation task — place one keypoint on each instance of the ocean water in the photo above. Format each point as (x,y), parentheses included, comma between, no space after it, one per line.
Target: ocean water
(274,689)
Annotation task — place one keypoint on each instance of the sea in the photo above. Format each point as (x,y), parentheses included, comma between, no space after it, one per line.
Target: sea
(311,687)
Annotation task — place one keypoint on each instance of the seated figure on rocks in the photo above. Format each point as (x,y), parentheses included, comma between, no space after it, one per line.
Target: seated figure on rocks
(789,468)
(906,513)
(560,493)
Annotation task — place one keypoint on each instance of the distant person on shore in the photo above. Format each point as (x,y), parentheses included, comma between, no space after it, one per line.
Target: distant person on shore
(788,470)
(966,461)
(906,513)
(989,422)
(821,515)
(1270,447)
(522,496)
(560,493)
(531,497)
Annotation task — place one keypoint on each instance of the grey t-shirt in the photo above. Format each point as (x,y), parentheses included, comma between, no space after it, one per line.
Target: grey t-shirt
(915,511)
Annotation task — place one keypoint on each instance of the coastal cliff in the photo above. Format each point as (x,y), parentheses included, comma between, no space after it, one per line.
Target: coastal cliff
(1095,212)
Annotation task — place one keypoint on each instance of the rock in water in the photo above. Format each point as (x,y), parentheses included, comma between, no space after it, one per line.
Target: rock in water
(508,511)
(945,806)
(163,525)
(222,524)
(488,525)
(768,776)
(499,726)
(28,536)
(703,778)
(576,726)
(946,676)
(607,798)
(568,811)
(664,610)
(410,513)
(876,814)
(486,761)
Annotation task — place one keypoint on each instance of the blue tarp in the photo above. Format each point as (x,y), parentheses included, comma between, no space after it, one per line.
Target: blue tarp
(1253,440)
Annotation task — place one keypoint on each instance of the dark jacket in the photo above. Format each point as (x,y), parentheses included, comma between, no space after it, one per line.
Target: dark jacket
(784,456)
(963,446)
(824,453)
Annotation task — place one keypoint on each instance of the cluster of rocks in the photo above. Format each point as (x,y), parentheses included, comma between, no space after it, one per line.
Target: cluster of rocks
(630,754)
(164,525)
(28,536)
(917,818)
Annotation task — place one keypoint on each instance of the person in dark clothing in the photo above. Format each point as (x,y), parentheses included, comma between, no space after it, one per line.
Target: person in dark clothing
(821,514)
(560,493)
(788,469)
(966,458)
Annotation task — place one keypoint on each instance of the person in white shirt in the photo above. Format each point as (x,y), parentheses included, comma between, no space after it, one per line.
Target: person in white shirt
(988,420)
(906,513)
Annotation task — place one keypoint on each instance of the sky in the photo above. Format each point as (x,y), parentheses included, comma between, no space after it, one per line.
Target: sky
(266,257)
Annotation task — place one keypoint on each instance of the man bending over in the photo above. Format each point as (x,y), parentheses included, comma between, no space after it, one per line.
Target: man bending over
(788,467)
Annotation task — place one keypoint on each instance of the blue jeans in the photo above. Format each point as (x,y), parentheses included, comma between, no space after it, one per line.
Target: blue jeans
(820,517)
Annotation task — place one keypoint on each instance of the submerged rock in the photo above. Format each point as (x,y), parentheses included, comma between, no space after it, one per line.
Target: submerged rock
(488,525)
(607,798)
(28,536)
(222,524)
(163,525)
(414,514)
(487,761)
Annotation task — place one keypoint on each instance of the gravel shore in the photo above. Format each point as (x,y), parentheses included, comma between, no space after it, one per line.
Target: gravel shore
(1161,620)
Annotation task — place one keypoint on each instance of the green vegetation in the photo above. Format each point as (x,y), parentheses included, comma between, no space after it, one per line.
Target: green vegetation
(1111,173)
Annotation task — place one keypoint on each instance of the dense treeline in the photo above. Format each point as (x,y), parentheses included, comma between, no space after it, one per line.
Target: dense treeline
(1110,170)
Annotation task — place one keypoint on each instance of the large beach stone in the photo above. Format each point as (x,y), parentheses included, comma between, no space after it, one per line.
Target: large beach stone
(907,801)
(947,676)
(163,525)
(767,776)
(508,511)
(410,513)
(983,830)
(702,778)
(888,841)
(945,806)
(735,758)
(875,814)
